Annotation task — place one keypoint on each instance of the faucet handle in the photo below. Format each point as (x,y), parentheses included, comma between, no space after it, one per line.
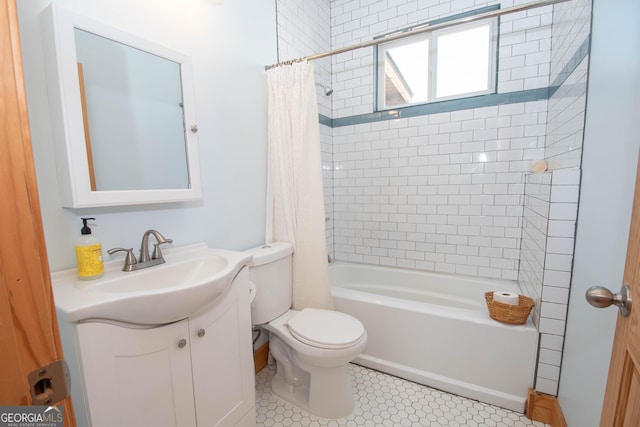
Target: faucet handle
(157,253)
(129,260)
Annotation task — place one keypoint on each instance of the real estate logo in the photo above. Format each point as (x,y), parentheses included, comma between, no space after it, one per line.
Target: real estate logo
(31,416)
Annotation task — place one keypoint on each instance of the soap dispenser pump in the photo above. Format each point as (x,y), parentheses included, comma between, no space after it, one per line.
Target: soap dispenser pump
(88,254)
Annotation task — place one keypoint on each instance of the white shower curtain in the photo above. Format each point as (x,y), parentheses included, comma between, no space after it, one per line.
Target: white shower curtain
(295,202)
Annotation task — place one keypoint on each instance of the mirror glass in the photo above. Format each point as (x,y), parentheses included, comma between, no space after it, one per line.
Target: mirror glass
(133,116)
(123,115)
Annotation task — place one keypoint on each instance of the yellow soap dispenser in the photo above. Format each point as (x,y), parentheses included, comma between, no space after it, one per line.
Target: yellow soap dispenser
(89,254)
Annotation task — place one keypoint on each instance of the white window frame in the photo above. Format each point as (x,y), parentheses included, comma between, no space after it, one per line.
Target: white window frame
(432,83)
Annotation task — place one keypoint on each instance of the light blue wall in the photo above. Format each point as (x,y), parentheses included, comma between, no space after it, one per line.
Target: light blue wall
(230,43)
(609,162)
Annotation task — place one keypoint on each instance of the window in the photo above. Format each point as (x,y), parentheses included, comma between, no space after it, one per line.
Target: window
(451,63)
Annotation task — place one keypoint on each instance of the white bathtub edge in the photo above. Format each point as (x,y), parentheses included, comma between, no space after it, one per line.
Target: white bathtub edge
(449,385)
(480,315)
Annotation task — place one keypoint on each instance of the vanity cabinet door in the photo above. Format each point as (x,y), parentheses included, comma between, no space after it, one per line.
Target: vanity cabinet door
(222,360)
(137,377)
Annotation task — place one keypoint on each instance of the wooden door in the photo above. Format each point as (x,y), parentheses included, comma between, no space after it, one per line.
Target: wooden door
(29,336)
(622,396)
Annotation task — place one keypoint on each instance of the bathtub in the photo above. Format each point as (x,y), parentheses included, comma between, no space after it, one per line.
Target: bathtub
(434,329)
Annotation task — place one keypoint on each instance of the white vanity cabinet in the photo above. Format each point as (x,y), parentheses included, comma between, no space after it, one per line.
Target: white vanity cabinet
(137,377)
(194,372)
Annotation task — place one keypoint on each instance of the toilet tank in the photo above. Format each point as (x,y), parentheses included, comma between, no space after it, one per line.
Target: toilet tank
(271,274)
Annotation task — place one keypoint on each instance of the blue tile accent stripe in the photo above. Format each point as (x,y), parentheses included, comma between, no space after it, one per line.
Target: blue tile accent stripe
(324,120)
(443,107)
(571,65)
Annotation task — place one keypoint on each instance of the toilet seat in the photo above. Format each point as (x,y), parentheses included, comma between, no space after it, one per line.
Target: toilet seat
(325,328)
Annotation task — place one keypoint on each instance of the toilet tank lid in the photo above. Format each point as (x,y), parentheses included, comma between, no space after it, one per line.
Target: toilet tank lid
(269,252)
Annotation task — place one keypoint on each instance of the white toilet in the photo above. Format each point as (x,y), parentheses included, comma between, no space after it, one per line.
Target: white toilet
(312,347)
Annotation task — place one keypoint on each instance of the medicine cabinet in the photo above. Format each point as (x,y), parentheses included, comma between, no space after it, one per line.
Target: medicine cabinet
(123,115)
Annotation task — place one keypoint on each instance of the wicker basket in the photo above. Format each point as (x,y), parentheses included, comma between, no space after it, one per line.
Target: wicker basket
(507,313)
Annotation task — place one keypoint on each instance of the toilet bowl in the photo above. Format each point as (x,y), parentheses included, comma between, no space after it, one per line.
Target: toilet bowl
(312,347)
(312,372)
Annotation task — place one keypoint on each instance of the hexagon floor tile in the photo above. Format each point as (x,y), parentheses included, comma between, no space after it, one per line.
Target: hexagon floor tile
(384,400)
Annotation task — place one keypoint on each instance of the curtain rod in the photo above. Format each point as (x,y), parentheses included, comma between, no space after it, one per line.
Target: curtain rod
(422,29)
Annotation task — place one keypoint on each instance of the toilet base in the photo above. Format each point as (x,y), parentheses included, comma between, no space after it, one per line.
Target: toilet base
(298,395)
(322,391)
(328,394)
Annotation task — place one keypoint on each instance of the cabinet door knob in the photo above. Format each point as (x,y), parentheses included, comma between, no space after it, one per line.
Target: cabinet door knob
(201,332)
(182,343)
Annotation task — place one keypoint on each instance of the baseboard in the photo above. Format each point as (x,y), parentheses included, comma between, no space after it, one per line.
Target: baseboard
(545,408)
(261,357)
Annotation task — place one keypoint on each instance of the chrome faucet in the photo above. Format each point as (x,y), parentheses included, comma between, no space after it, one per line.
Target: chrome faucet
(143,261)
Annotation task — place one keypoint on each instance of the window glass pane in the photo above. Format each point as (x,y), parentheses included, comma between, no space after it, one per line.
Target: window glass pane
(407,74)
(463,61)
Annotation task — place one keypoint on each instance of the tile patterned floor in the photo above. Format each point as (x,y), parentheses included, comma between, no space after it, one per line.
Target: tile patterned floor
(384,400)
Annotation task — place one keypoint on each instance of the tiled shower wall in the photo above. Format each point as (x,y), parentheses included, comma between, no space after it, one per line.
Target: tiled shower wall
(537,198)
(551,199)
(304,28)
(443,191)
(440,192)
(568,82)
(524,48)
(551,202)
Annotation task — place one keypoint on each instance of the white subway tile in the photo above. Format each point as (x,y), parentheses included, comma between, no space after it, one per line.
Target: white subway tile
(555,327)
(566,177)
(547,386)
(563,211)
(560,245)
(551,342)
(549,372)
(558,262)
(555,294)
(553,310)
(564,193)
(557,279)
(562,228)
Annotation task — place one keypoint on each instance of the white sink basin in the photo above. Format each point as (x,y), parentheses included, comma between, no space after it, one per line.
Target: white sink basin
(161,277)
(192,278)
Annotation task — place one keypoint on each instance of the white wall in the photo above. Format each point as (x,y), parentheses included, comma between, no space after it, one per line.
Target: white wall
(609,162)
(229,47)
